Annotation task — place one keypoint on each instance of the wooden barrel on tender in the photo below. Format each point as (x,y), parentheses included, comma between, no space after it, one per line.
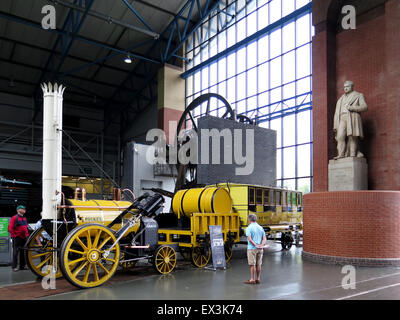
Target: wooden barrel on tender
(202,200)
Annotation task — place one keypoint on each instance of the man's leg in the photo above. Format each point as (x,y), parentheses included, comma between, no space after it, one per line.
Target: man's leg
(353,142)
(258,265)
(258,272)
(341,139)
(15,254)
(252,273)
(252,263)
(21,254)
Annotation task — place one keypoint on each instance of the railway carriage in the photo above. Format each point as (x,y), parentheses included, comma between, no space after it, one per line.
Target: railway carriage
(279,211)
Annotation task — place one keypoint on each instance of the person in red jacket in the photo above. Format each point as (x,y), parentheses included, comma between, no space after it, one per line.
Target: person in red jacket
(18,228)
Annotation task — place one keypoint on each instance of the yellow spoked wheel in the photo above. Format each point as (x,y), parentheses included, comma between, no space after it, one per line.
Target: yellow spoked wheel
(39,254)
(86,258)
(164,259)
(228,252)
(201,256)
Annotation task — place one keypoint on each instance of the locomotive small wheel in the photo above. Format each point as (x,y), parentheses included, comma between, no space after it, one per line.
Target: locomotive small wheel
(164,259)
(185,252)
(83,260)
(228,252)
(201,256)
(38,256)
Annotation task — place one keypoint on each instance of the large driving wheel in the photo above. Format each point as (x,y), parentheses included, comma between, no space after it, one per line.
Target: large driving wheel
(39,254)
(87,259)
(201,256)
(205,100)
(205,104)
(164,259)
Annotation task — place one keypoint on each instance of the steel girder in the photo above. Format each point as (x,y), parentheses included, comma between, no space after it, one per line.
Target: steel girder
(166,53)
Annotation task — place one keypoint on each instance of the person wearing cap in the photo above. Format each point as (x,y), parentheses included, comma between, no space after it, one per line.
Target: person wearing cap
(18,228)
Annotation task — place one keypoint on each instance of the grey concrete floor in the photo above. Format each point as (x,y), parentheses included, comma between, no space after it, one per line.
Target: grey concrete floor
(8,277)
(285,276)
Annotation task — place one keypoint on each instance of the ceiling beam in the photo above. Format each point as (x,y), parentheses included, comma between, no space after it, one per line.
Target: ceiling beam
(106,18)
(150,5)
(75,32)
(32,46)
(34,24)
(31,66)
(188,7)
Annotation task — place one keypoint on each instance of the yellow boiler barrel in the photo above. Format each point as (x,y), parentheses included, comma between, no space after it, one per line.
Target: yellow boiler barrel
(202,200)
(101,211)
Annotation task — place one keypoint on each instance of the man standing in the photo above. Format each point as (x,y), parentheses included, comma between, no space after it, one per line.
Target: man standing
(256,240)
(18,228)
(347,122)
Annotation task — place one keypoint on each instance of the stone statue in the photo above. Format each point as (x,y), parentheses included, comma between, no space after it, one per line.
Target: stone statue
(347,122)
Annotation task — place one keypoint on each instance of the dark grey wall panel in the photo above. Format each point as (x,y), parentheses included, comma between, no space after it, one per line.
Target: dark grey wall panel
(264,169)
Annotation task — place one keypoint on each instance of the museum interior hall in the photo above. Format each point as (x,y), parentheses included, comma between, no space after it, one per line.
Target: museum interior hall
(195,150)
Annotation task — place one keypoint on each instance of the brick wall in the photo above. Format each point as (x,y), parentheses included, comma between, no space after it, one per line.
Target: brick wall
(360,224)
(370,57)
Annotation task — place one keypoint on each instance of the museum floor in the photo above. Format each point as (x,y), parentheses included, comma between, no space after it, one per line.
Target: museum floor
(285,276)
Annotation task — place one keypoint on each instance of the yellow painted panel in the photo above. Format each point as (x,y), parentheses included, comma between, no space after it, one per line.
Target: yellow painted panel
(94,213)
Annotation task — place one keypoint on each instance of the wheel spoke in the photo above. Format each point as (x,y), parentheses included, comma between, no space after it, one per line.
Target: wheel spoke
(96,239)
(193,122)
(103,243)
(103,267)
(86,277)
(160,263)
(111,260)
(81,244)
(80,269)
(76,251)
(40,255)
(43,262)
(71,263)
(96,275)
(89,240)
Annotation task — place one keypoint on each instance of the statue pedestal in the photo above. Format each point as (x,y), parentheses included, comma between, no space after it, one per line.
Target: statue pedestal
(348,174)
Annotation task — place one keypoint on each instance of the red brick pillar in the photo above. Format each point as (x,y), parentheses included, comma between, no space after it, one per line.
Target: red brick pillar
(171,99)
(352,227)
(324,103)
(392,80)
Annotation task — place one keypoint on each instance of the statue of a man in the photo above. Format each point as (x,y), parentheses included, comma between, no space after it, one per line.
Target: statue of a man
(347,122)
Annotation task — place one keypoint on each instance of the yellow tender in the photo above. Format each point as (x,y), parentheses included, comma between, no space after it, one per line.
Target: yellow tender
(201,207)
(276,208)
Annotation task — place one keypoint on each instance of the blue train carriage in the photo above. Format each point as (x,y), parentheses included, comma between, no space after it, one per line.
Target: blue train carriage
(279,211)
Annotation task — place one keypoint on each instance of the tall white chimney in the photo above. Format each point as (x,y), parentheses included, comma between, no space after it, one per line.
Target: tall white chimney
(52,149)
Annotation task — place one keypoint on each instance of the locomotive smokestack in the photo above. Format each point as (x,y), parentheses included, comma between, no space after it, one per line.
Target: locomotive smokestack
(52,148)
